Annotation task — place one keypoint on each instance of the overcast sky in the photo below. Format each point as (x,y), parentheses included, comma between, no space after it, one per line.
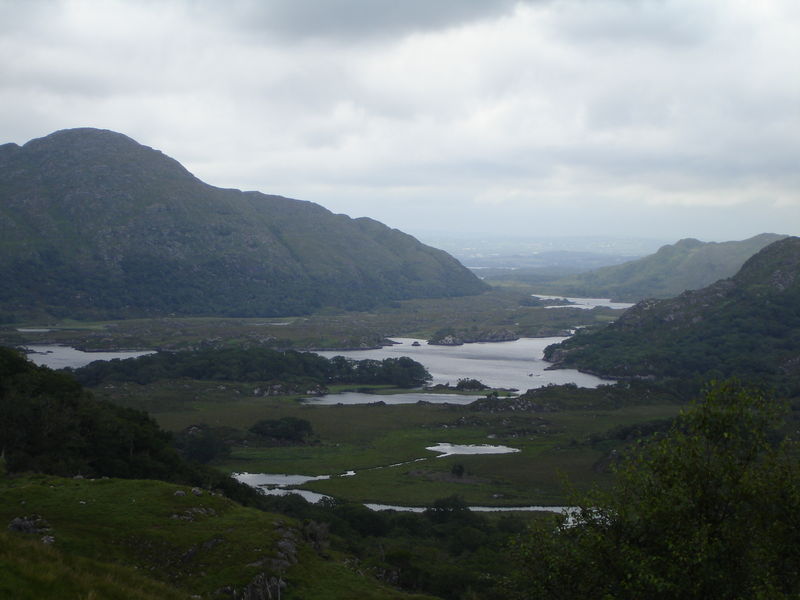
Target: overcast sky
(651,118)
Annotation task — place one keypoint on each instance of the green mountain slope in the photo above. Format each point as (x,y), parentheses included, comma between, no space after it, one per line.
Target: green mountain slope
(93,223)
(747,326)
(686,265)
(115,538)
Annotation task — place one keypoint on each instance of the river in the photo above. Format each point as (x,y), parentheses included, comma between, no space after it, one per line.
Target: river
(279,484)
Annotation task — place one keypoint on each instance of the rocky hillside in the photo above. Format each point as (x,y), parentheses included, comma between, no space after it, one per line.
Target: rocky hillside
(747,326)
(686,265)
(94,224)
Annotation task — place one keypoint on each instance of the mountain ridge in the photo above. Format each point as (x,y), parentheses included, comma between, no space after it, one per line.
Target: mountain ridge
(96,224)
(745,326)
(674,268)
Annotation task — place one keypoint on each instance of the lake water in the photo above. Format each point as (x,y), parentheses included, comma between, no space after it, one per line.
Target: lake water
(60,357)
(446,449)
(585,303)
(516,364)
(411,398)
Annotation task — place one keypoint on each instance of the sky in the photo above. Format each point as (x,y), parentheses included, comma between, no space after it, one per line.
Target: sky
(637,118)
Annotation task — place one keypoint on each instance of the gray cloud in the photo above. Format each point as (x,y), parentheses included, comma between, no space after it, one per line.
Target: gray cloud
(357,19)
(563,115)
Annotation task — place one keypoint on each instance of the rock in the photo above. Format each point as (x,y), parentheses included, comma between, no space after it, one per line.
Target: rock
(197,491)
(29,524)
(179,493)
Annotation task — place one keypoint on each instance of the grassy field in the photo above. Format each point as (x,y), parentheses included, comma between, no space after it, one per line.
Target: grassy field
(369,438)
(138,539)
(497,309)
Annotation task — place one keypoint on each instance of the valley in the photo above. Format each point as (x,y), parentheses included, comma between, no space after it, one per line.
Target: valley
(425,421)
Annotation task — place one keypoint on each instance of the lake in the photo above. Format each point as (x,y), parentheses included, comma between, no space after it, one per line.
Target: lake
(516,364)
(60,357)
(585,303)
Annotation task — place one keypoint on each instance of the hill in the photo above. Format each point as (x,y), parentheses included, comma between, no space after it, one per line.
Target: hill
(686,265)
(747,326)
(135,539)
(94,224)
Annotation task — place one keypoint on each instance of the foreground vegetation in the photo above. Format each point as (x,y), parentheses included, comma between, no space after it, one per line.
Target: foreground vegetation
(708,510)
(176,541)
(701,506)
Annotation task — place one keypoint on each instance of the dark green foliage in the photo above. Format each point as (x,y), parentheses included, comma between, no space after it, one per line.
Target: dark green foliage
(627,433)
(449,509)
(255,364)
(93,224)
(707,511)
(470,384)
(747,326)
(287,429)
(448,550)
(201,444)
(48,423)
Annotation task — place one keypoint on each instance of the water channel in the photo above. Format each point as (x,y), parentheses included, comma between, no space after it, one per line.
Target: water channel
(278,484)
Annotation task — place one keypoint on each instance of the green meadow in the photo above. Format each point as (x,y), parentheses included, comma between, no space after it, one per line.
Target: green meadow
(135,539)
(553,446)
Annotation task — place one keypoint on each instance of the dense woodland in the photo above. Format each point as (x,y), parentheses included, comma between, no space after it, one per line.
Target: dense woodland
(256,364)
(706,510)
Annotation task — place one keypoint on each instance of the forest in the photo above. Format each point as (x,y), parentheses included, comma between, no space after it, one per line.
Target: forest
(256,364)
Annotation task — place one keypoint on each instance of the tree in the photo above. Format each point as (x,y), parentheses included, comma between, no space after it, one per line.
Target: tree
(289,429)
(470,384)
(711,510)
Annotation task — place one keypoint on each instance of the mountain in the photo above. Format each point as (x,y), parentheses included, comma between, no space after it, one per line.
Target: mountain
(747,326)
(93,223)
(686,265)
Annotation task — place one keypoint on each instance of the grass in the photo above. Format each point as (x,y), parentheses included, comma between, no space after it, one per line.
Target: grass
(109,533)
(359,437)
(30,570)
(498,308)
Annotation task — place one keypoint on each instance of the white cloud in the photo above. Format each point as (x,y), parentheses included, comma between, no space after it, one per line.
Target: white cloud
(498,110)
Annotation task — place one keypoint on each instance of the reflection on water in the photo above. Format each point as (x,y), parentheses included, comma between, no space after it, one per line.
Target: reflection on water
(516,364)
(585,303)
(452,449)
(60,357)
(275,485)
(411,398)
(280,484)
